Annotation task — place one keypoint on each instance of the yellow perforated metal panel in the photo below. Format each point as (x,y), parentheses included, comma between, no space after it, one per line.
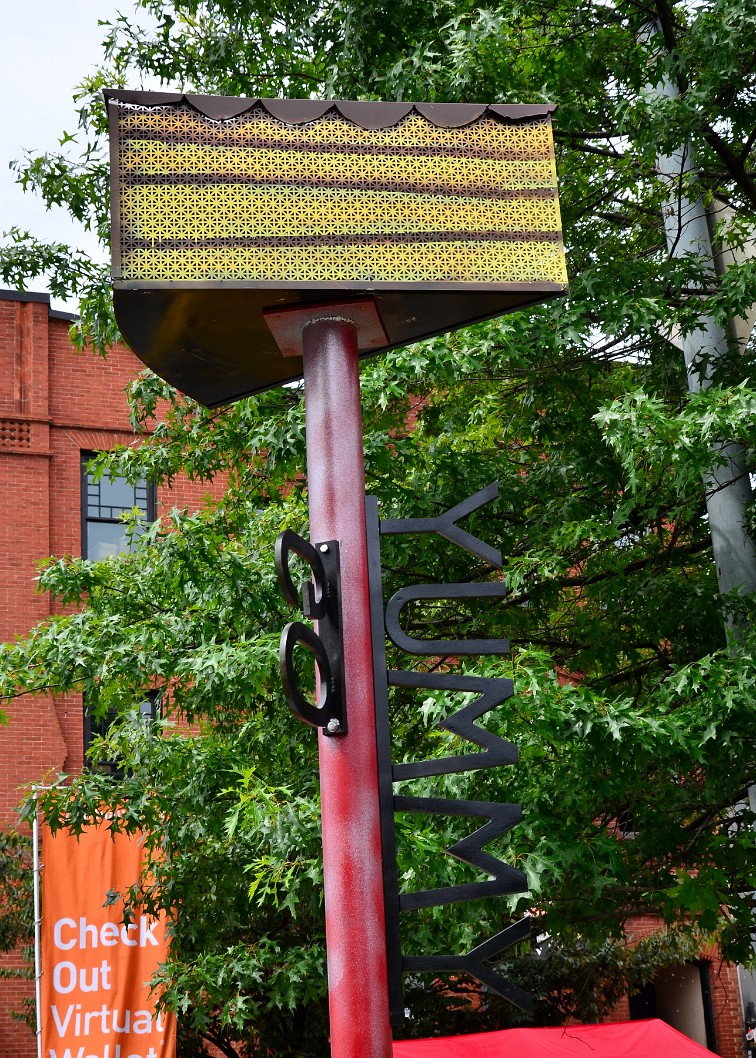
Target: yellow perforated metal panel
(256,199)
(232,215)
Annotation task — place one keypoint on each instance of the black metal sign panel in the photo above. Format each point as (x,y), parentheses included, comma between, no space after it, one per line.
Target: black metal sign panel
(495,751)
(318,598)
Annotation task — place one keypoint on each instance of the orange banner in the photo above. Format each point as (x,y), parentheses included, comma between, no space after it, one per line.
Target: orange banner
(96,1001)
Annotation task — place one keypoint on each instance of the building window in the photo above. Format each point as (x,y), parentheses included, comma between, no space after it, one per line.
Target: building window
(104,534)
(148,710)
(103,502)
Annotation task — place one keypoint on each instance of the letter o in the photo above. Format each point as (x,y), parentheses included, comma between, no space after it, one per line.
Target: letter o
(57,983)
(316,715)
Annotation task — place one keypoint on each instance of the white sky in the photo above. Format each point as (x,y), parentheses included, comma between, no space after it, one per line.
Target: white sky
(48,47)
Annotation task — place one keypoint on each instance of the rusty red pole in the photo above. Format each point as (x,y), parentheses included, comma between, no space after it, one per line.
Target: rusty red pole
(354,903)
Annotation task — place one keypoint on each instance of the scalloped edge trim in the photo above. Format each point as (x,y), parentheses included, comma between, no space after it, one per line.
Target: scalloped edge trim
(367,114)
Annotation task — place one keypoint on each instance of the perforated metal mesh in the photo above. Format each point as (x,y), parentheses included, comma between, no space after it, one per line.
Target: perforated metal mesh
(252,198)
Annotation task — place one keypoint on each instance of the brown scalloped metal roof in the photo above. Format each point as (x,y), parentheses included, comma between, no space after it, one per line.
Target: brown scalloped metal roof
(368,114)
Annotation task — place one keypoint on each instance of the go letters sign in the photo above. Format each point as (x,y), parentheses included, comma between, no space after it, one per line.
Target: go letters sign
(96,1001)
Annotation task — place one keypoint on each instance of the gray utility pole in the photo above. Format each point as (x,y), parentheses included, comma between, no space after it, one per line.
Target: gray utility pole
(728,487)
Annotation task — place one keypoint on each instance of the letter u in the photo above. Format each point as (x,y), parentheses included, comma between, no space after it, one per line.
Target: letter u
(443,647)
(126,1026)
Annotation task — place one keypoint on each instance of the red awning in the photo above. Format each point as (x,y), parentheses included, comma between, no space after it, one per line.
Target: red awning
(626,1039)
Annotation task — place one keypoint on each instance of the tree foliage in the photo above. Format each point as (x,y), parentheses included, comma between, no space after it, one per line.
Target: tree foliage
(633,715)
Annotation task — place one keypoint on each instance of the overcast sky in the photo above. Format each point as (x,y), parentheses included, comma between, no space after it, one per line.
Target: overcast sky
(48,46)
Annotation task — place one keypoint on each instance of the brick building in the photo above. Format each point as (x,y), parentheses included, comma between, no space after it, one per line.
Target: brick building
(700,999)
(56,408)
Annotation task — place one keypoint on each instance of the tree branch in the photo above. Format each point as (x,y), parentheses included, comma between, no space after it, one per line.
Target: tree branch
(733,163)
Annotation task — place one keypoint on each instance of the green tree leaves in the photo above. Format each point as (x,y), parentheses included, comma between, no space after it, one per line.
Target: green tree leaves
(633,716)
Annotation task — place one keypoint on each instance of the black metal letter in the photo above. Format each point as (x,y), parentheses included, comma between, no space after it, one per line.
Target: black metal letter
(317,715)
(445,525)
(320,600)
(474,963)
(492,693)
(504,879)
(314,598)
(443,647)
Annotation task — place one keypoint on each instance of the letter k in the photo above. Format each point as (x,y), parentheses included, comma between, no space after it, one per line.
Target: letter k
(145,933)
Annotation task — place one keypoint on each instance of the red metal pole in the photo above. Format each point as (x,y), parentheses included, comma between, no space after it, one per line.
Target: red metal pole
(354,903)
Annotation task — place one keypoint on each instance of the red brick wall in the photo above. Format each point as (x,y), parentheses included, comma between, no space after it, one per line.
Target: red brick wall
(725,988)
(54,404)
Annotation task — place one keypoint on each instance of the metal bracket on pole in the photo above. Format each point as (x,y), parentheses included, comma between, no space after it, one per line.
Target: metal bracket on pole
(319,599)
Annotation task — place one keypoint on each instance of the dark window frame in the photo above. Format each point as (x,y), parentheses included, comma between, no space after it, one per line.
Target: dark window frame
(710,1020)
(150,709)
(86,457)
